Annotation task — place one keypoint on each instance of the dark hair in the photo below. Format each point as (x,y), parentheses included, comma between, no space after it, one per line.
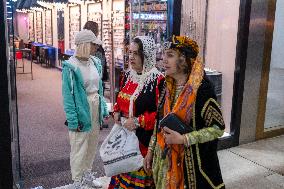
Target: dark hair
(185,64)
(93,26)
(140,48)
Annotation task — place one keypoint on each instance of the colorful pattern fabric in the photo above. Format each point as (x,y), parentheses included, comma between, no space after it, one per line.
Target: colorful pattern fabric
(183,109)
(201,169)
(134,180)
(138,97)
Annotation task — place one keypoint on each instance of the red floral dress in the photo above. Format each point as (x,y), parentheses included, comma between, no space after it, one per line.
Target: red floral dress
(144,109)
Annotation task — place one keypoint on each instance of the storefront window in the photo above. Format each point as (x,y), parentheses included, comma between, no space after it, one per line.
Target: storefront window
(275,96)
(39,27)
(214,26)
(48,27)
(74,24)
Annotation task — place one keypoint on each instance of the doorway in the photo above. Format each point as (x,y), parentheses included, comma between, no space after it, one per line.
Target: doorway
(270,120)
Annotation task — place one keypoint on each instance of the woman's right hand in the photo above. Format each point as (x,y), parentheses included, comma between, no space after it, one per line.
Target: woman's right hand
(147,163)
(116,117)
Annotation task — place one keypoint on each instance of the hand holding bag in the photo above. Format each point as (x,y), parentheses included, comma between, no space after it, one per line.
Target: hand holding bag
(173,122)
(120,152)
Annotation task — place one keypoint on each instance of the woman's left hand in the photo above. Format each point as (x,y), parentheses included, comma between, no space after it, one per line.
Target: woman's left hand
(172,137)
(129,124)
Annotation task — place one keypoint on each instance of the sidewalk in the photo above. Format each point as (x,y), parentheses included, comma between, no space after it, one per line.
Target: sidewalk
(45,142)
(258,165)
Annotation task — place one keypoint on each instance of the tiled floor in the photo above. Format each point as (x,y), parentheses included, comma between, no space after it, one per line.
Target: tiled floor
(258,165)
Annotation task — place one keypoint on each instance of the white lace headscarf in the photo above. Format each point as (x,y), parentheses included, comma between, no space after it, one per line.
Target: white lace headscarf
(149,73)
(149,51)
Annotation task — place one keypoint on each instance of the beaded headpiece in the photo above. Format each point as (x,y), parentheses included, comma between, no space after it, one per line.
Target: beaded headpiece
(185,45)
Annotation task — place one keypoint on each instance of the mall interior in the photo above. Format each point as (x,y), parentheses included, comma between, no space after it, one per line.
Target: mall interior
(239,42)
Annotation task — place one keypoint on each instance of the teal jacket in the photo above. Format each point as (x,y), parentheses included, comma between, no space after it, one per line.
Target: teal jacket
(73,87)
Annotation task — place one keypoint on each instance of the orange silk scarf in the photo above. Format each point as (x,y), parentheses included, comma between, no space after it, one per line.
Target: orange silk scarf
(183,109)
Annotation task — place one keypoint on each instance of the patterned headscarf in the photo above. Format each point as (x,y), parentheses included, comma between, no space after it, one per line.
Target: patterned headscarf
(184,45)
(149,51)
(149,73)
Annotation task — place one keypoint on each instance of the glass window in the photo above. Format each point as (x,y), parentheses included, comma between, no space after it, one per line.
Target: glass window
(274,115)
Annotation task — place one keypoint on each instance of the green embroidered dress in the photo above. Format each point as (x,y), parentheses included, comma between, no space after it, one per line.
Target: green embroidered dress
(201,166)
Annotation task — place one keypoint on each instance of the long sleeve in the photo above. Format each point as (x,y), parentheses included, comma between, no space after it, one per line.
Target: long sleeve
(148,119)
(153,140)
(68,101)
(214,124)
(162,91)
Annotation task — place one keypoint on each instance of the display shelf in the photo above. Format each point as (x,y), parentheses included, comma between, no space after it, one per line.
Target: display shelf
(39,32)
(107,42)
(48,27)
(118,26)
(147,19)
(95,14)
(31,26)
(74,24)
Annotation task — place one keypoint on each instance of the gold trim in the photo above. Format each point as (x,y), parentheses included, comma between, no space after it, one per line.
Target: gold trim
(211,114)
(198,156)
(206,104)
(203,173)
(193,167)
(194,127)
(261,132)
(193,117)
(124,96)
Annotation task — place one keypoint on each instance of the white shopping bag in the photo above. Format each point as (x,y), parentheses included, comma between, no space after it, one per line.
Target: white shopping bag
(120,152)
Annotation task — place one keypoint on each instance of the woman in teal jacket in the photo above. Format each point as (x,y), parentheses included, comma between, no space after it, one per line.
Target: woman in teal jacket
(84,106)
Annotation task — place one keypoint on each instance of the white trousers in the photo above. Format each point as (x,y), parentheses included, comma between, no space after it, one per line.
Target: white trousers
(84,144)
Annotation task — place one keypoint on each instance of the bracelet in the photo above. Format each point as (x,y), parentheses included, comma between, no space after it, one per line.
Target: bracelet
(150,149)
(136,122)
(185,142)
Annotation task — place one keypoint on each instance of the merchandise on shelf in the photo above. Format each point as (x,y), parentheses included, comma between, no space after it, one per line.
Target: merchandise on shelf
(74,23)
(146,17)
(118,38)
(31,26)
(95,14)
(39,32)
(107,40)
(48,27)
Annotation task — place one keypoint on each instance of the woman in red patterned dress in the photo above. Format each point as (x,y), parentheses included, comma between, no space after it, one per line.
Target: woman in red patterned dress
(137,104)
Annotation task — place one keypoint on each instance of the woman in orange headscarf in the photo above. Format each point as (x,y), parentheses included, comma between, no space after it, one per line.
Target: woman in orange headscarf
(187,160)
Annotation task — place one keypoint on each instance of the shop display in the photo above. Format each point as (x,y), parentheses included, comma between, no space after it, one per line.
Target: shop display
(39,32)
(193,21)
(48,27)
(148,18)
(31,26)
(74,24)
(118,38)
(107,40)
(95,14)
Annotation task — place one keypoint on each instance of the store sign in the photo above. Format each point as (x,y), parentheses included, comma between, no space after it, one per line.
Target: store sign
(149,16)
(9,5)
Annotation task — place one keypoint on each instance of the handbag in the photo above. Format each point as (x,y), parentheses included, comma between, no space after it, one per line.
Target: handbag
(173,122)
(120,152)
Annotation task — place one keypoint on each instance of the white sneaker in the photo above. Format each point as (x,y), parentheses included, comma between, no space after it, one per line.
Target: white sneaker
(90,180)
(76,185)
